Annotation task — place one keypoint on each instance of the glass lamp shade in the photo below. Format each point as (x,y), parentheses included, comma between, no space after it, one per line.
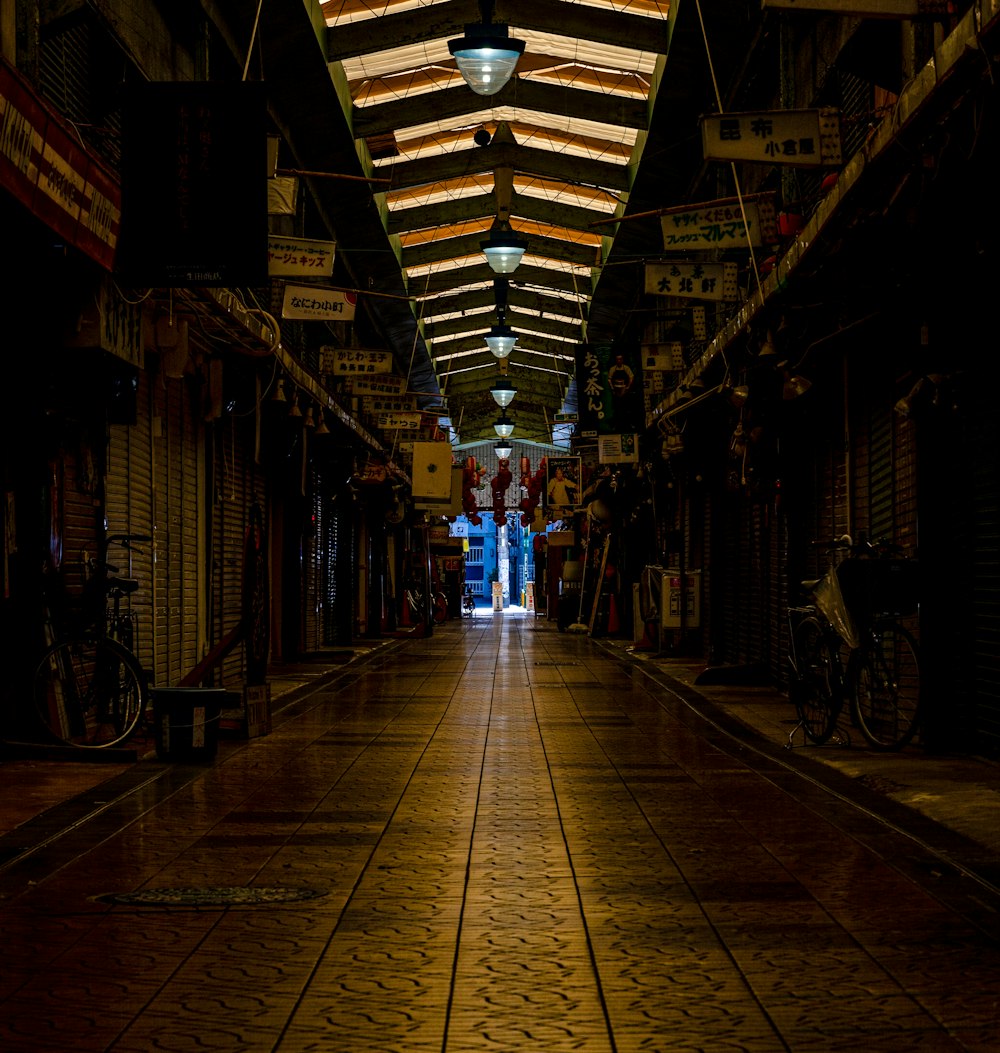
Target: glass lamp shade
(503,426)
(503,450)
(486,56)
(501,340)
(503,252)
(503,392)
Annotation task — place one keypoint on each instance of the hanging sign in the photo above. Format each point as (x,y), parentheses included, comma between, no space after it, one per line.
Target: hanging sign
(313,302)
(666,358)
(299,257)
(388,403)
(800,138)
(400,420)
(364,385)
(693,280)
(352,362)
(720,225)
(618,449)
(872,8)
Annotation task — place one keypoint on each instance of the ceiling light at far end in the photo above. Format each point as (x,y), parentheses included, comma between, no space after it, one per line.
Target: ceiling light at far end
(503,450)
(503,426)
(487,54)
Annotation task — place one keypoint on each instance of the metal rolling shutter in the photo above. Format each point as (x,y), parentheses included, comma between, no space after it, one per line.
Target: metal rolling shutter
(237,484)
(179,505)
(982,440)
(312,569)
(129,507)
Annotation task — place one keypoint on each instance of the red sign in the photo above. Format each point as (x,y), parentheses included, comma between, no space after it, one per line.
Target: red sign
(45,168)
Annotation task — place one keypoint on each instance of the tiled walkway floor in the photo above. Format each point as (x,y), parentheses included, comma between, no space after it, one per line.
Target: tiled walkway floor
(511,842)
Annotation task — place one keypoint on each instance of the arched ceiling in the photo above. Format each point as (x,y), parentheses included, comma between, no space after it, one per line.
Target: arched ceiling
(572,141)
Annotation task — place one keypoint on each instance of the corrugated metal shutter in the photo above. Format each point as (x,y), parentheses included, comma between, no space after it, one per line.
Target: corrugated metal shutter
(179,512)
(312,568)
(982,443)
(237,485)
(129,509)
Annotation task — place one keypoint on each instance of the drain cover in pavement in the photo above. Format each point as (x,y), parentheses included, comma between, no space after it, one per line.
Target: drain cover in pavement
(210,897)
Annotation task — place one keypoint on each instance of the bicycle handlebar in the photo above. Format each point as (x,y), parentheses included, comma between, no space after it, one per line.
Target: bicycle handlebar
(126,539)
(880,548)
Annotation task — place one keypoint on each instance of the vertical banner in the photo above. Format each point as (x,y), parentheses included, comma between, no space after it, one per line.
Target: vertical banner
(609,389)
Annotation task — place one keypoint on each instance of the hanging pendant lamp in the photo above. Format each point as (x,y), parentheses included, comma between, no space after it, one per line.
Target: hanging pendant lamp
(487,54)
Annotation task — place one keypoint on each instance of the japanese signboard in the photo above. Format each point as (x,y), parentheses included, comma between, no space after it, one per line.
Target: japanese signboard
(720,225)
(44,167)
(667,357)
(388,403)
(802,138)
(299,257)
(609,389)
(873,8)
(355,362)
(565,418)
(356,384)
(313,302)
(399,420)
(111,323)
(693,280)
(618,449)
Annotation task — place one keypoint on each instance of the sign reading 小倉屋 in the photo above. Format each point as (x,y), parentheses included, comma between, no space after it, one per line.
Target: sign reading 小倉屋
(801,138)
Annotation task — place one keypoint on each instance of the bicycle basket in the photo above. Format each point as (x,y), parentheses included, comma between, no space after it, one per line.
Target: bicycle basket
(879,586)
(830,600)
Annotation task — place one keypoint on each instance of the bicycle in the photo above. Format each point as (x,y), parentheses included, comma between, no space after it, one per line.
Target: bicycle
(90,691)
(847,645)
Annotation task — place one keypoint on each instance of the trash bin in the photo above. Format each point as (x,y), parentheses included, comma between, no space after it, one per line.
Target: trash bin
(186,722)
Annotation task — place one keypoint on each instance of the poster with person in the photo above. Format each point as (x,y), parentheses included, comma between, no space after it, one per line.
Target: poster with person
(562,483)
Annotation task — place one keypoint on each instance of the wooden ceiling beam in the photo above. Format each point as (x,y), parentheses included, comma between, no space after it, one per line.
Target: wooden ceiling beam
(447,20)
(424,171)
(470,245)
(526,276)
(478,299)
(618,110)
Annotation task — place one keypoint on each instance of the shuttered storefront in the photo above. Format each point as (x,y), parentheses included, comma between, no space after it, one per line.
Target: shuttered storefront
(130,509)
(154,486)
(237,484)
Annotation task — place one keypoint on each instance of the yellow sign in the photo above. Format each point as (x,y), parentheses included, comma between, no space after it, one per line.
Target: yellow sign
(800,138)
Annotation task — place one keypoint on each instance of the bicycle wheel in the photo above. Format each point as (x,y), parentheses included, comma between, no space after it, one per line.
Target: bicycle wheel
(885,686)
(815,686)
(89,692)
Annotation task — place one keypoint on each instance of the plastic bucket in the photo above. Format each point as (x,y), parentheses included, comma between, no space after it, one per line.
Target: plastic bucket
(186,722)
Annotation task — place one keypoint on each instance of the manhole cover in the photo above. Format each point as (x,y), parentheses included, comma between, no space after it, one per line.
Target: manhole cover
(210,897)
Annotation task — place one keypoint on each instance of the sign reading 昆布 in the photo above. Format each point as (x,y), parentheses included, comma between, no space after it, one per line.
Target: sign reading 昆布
(803,138)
